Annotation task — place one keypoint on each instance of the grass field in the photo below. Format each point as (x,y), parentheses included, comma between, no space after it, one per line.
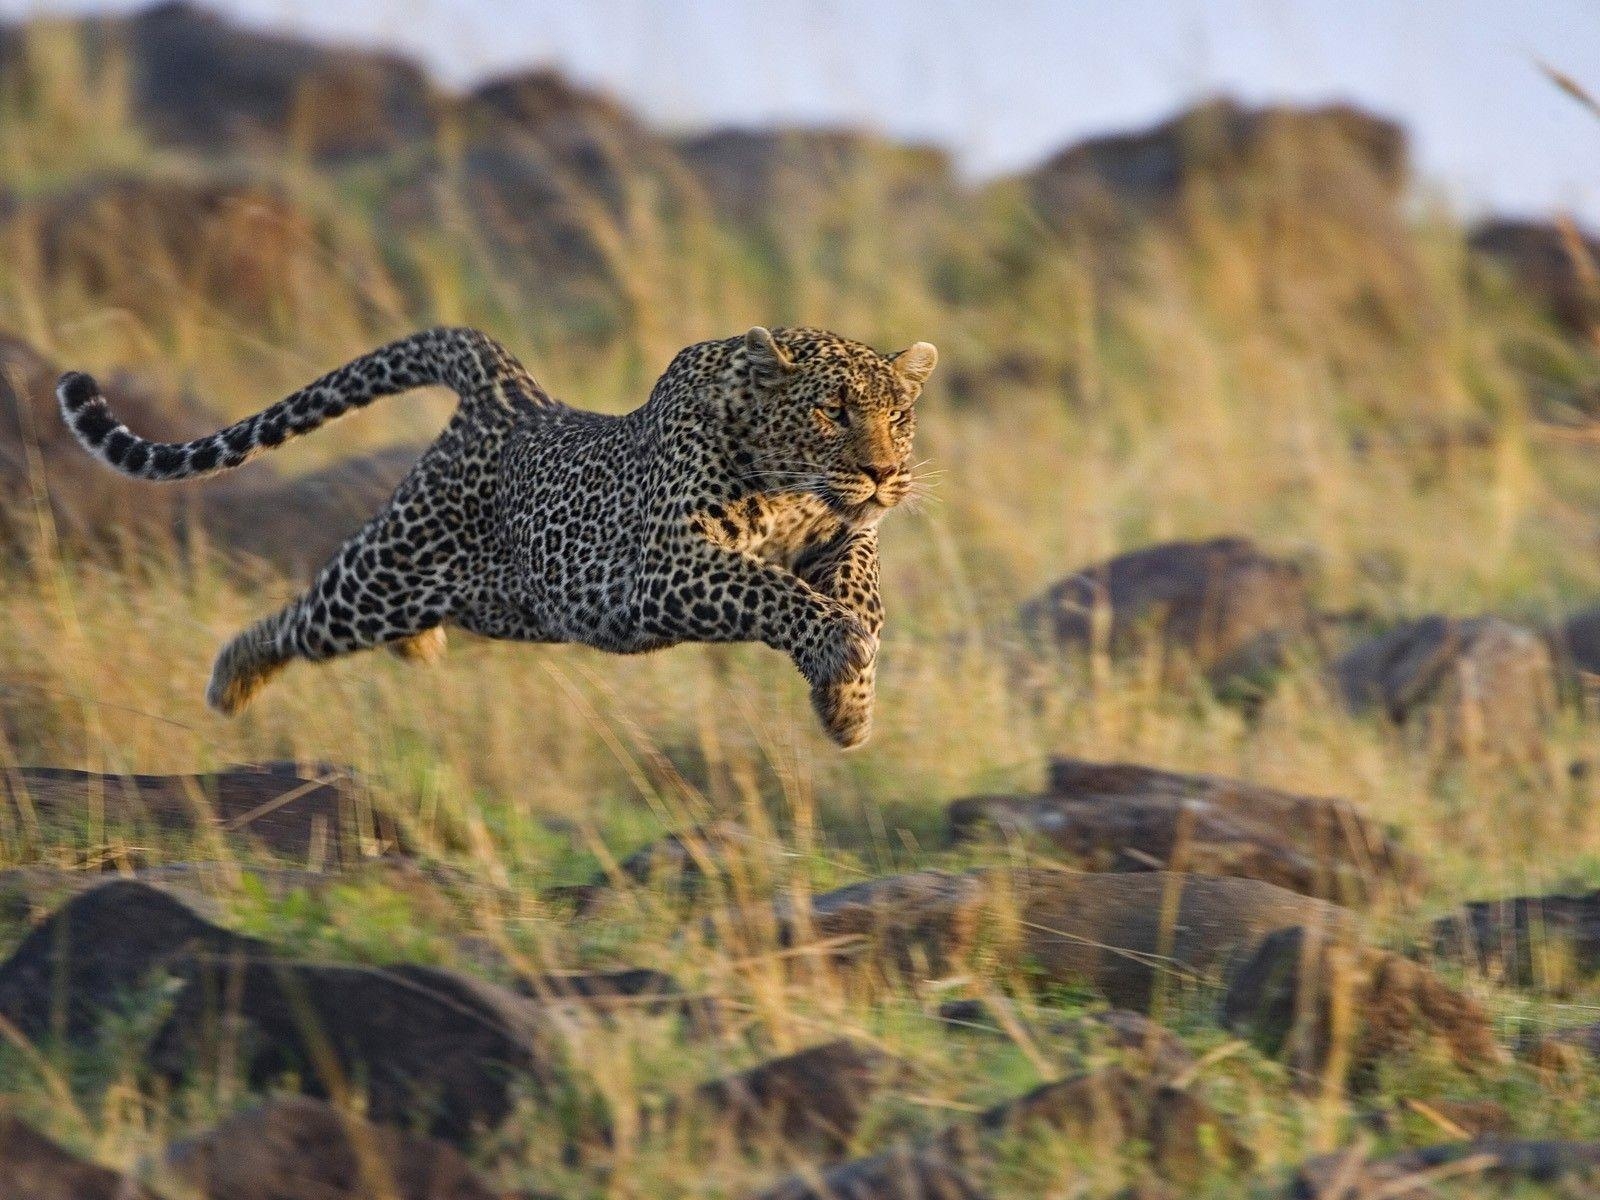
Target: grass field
(1404,425)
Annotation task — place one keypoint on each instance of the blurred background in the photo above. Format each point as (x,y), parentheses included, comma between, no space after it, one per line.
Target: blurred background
(1266,436)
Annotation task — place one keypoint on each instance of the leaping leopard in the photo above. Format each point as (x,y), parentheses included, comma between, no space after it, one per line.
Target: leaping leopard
(739,503)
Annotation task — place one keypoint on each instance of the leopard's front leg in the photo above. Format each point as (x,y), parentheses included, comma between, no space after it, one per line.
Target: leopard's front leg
(845,567)
(707,593)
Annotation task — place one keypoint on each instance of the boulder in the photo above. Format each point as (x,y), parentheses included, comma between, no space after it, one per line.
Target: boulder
(1123,817)
(1469,684)
(204,82)
(1222,606)
(1550,942)
(1136,938)
(310,813)
(1326,1004)
(1554,262)
(1340,157)
(296,1148)
(900,1173)
(32,1167)
(424,1048)
(811,1101)
(1351,1175)
(97,953)
(914,926)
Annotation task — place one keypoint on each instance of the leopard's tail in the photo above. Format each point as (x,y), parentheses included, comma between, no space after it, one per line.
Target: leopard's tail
(478,368)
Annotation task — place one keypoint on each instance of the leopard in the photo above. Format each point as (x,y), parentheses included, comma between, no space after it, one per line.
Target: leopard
(741,502)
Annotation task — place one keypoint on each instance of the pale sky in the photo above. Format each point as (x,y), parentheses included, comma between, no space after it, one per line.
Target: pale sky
(1003,83)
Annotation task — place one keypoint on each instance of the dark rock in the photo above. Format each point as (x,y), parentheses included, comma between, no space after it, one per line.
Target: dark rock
(901,1173)
(813,1100)
(1470,684)
(32,1167)
(323,817)
(1184,1137)
(294,1148)
(201,81)
(1126,934)
(1325,1003)
(424,1047)
(917,925)
(1122,817)
(1349,1175)
(1526,941)
(97,952)
(1577,642)
(1555,262)
(1222,606)
(1362,157)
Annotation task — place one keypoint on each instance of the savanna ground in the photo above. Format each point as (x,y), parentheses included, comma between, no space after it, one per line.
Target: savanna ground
(1233,374)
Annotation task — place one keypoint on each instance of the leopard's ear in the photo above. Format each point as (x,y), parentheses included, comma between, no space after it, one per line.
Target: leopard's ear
(916,362)
(769,365)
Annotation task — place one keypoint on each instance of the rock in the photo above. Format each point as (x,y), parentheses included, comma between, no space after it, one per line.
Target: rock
(1141,1043)
(315,814)
(813,1100)
(1122,933)
(94,954)
(1553,261)
(1222,606)
(1220,142)
(32,1167)
(295,1148)
(1350,1175)
(424,1048)
(1577,643)
(1183,1137)
(28,894)
(1122,817)
(916,926)
(900,1173)
(1526,941)
(1326,1004)
(1470,684)
(200,81)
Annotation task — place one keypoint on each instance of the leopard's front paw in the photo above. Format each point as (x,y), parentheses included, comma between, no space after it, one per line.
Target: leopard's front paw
(843,647)
(845,709)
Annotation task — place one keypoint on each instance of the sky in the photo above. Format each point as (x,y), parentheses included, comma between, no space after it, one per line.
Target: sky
(1004,83)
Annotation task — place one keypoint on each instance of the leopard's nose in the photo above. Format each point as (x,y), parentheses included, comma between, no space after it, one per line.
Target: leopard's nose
(879,473)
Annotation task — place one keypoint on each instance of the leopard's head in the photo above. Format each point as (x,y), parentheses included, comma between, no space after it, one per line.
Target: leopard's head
(831,416)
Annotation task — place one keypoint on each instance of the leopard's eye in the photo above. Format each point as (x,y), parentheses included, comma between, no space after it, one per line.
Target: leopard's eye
(835,411)
(901,418)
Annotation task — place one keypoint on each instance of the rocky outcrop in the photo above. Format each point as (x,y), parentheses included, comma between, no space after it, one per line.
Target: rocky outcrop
(97,953)
(1325,1004)
(1549,942)
(1466,684)
(422,1047)
(1134,938)
(1221,606)
(1125,817)
(311,814)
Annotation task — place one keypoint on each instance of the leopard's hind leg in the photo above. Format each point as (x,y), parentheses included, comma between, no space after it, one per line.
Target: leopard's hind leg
(425,647)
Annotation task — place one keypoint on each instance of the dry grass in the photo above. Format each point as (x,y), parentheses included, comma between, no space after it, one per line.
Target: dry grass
(1194,400)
